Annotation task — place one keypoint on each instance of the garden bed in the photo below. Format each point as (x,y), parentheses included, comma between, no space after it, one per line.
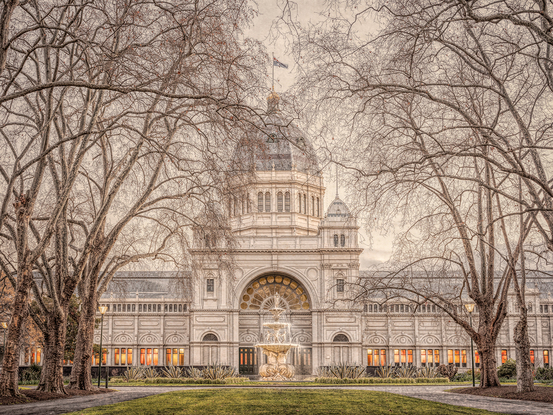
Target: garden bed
(541,394)
(31,395)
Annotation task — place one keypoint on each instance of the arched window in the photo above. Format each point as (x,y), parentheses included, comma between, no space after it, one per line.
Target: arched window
(335,239)
(287,202)
(210,337)
(299,202)
(267,202)
(279,202)
(312,205)
(260,202)
(342,240)
(236,207)
(243,204)
(248,203)
(318,211)
(304,203)
(340,338)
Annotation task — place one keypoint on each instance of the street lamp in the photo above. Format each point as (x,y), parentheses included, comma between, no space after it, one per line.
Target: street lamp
(102,309)
(4,326)
(470,309)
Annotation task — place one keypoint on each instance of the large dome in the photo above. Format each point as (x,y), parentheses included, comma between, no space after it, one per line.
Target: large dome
(277,144)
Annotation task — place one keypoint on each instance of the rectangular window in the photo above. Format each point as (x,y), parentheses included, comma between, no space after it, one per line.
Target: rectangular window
(546,309)
(267,202)
(403,360)
(436,357)
(180,308)
(155,357)
(382,357)
(476,359)
(149,308)
(318,210)
(165,307)
(118,308)
(210,287)
(260,202)
(123,356)
(159,308)
(280,202)
(340,285)
(423,357)
(133,308)
(175,357)
(142,357)
(140,308)
(116,357)
(171,306)
(504,356)
(464,358)
(168,357)
(410,356)
(449,356)
(546,358)
(312,206)
(370,358)
(532,356)
(149,357)
(457,358)
(181,357)
(396,356)
(304,204)
(129,357)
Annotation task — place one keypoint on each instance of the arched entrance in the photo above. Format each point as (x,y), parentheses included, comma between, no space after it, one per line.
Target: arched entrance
(258,297)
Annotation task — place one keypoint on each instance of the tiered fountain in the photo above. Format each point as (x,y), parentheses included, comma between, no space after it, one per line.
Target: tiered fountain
(276,347)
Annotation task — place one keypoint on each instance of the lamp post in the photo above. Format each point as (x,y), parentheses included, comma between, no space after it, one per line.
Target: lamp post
(102,309)
(4,326)
(470,309)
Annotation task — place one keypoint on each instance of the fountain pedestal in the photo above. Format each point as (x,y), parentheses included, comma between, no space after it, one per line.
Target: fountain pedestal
(277,347)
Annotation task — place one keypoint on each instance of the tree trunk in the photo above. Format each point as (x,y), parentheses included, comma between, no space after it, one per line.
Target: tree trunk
(525,377)
(51,378)
(488,364)
(20,311)
(81,377)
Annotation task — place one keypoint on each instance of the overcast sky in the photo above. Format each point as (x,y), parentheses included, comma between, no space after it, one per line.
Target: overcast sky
(261,29)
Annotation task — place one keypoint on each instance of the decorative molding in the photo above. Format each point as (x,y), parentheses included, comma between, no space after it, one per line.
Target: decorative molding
(402,338)
(175,338)
(123,338)
(149,338)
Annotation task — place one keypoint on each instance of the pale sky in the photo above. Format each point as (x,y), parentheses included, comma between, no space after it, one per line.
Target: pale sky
(284,79)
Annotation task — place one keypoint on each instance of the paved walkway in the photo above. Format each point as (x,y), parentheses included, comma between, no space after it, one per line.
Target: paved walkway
(430,393)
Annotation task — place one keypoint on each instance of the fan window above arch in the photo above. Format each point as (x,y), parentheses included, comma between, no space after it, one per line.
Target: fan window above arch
(259,294)
(210,337)
(340,338)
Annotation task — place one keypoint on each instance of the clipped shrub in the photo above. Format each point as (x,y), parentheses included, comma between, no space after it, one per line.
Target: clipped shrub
(507,369)
(132,373)
(544,373)
(380,380)
(466,376)
(31,374)
(448,371)
(173,372)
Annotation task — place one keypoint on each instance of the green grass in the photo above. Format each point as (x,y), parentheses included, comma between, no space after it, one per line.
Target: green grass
(280,401)
(254,384)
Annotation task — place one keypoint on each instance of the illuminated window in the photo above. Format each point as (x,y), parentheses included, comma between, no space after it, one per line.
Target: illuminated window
(449,356)
(129,357)
(376,357)
(156,357)
(116,357)
(396,356)
(476,359)
(504,356)
(532,357)
(463,358)
(546,358)
(149,357)
(410,356)
(142,357)
(423,357)
(436,357)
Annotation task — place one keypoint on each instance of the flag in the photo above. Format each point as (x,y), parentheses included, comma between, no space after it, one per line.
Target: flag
(279,64)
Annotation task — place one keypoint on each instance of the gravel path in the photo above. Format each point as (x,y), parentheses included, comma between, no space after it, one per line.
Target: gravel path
(430,393)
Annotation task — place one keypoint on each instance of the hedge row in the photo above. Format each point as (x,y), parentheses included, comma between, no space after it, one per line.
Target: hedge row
(182,381)
(381,380)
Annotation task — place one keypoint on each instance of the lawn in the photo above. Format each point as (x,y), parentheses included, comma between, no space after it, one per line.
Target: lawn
(280,401)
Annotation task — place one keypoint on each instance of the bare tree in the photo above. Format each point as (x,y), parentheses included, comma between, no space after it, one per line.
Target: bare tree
(138,89)
(458,108)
